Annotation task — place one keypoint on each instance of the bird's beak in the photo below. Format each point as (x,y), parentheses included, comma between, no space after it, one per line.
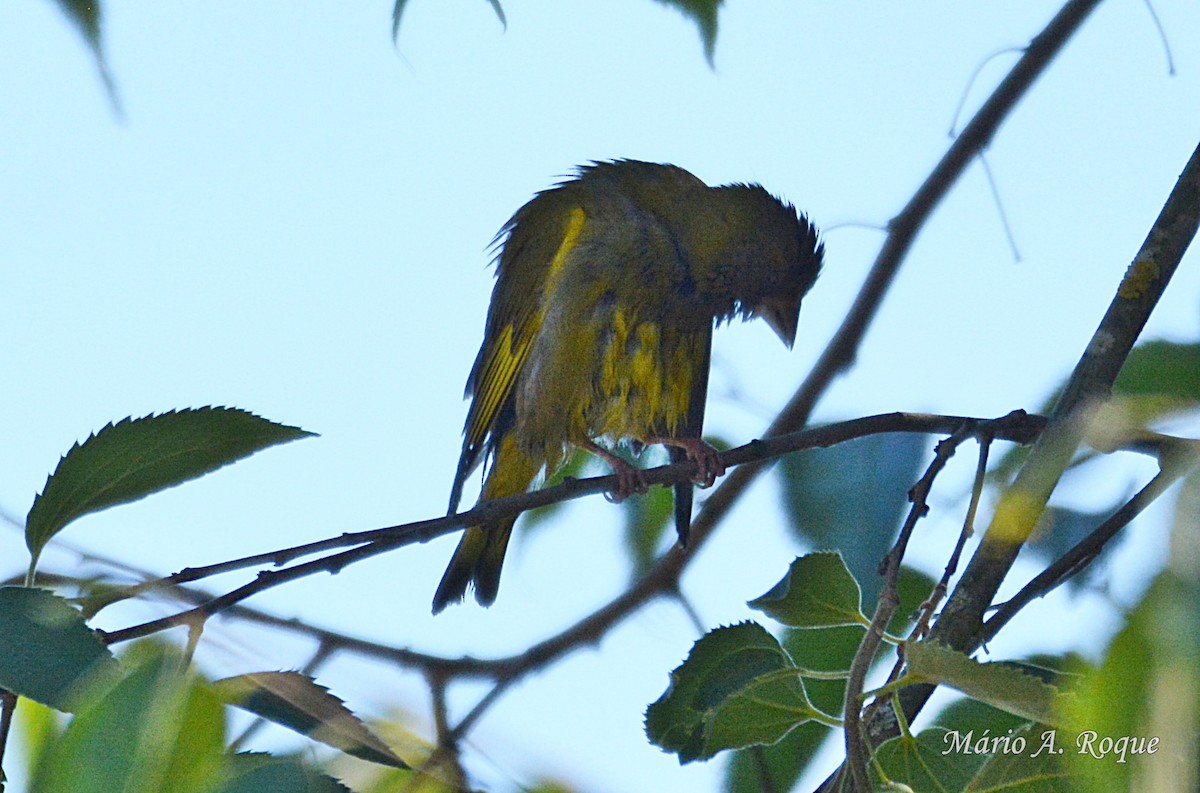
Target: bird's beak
(783,315)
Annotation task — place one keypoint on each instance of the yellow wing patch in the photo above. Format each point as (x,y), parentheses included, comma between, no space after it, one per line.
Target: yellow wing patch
(506,354)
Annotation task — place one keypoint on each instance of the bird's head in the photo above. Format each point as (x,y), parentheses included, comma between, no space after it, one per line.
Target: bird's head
(773,256)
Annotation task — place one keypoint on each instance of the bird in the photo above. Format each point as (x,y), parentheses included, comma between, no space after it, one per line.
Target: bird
(608,287)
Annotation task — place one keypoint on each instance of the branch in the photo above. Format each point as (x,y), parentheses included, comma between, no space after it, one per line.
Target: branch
(857,744)
(1016,426)
(1091,383)
(961,624)
(1086,550)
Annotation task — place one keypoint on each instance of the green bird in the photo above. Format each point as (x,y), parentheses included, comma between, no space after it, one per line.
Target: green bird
(608,286)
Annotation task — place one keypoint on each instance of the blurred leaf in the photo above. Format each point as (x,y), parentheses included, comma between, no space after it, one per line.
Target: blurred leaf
(852,497)
(398,12)
(647,519)
(737,687)
(1060,529)
(1158,377)
(1145,690)
(47,652)
(704,14)
(650,516)
(264,773)
(997,684)
(818,591)
(86,15)
(923,763)
(133,458)
(914,588)
(298,703)
(38,726)
(157,729)
(1162,369)
(576,462)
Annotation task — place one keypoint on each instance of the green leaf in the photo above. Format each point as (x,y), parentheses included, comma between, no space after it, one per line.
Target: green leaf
(852,497)
(647,519)
(998,684)
(818,591)
(737,687)
(1145,690)
(923,762)
(47,652)
(398,12)
(1157,378)
(825,649)
(159,728)
(298,703)
(1035,767)
(576,462)
(704,14)
(264,773)
(133,458)
(38,727)
(968,715)
(1163,369)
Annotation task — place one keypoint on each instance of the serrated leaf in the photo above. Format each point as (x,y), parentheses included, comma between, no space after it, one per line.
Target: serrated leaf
(824,649)
(711,705)
(297,702)
(817,592)
(398,12)
(156,729)
(923,762)
(252,772)
(133,458)
(852,497)
(997,684)
(47,652)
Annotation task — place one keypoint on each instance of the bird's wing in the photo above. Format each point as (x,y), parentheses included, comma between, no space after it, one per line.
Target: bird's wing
(531,257)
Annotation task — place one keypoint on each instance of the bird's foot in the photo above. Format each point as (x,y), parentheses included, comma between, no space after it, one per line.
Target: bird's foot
(630,478)
(707,459)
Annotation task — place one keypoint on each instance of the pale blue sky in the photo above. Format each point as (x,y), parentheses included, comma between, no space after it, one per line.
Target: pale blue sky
(293,218)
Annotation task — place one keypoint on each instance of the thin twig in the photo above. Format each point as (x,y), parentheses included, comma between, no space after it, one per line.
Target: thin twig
(1085,551)
(1017,426)
(858,748)
(8,706)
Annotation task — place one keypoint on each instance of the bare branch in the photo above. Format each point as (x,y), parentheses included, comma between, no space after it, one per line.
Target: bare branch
(1017,426)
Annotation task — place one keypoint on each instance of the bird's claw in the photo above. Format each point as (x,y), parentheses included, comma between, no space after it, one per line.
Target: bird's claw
(706,458)
(630,480)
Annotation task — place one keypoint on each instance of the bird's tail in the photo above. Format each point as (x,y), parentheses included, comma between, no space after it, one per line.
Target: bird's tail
(480,552)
